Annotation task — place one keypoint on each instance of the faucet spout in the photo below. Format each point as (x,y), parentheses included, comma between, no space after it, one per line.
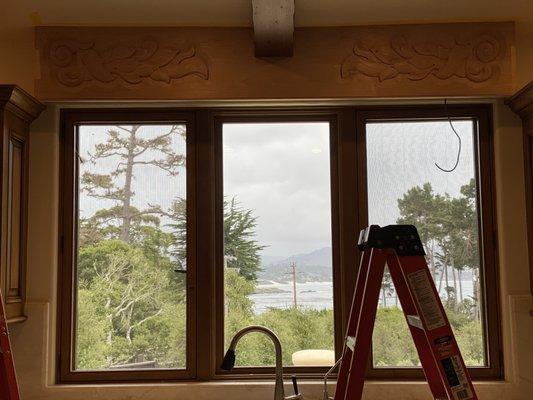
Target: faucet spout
(229,358)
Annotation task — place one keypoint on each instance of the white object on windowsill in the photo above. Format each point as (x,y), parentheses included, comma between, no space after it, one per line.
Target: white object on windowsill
(313,357)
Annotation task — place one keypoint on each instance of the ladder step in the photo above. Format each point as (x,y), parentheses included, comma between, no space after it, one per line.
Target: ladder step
(414,320)
(350,342)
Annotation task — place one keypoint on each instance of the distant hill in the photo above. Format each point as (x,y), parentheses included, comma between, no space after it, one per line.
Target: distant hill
(267,260)
(315,266)
(310,267)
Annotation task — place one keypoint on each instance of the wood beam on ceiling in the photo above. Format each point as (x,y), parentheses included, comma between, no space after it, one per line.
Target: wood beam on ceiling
(273,27)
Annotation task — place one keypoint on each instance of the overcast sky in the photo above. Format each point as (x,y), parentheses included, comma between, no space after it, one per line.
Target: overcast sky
(403,155)
(150,184)
(282,172)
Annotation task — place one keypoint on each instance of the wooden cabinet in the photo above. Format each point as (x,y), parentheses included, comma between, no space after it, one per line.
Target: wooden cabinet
(522,104)
(17,110)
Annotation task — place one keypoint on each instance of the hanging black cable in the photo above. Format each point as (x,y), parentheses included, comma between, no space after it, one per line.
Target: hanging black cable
(458,138)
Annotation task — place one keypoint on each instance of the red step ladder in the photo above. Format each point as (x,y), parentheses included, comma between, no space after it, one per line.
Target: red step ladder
(399,247)
(8,380)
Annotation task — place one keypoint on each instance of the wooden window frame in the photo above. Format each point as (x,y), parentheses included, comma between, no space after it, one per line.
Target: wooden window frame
(330,116)
(204,201)
(70,120)
(484,169)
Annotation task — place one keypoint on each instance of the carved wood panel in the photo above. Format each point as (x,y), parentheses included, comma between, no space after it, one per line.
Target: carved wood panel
(470,57)
(474,59)
(76,62)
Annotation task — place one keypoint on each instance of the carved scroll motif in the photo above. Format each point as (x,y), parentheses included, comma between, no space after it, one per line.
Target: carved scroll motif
(75,62)
(474,59)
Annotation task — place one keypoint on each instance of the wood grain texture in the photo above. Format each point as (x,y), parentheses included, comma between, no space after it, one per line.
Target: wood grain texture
(15,200)
(467,59)
(17,110)
(17,101)
(522,104)
(273,27)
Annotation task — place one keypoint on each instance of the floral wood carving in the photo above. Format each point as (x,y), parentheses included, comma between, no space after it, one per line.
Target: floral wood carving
(474,59)
(76,62)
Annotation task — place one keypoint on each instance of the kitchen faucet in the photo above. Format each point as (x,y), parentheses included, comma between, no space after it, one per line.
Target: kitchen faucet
(229,360)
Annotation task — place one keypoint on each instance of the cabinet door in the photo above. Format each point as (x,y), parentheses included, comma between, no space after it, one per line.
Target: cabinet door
(528,171)
(15,198)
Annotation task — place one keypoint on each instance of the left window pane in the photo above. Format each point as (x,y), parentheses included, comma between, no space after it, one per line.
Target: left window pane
(131,298)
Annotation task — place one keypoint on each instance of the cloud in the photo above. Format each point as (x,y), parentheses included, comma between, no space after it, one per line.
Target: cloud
(282,171)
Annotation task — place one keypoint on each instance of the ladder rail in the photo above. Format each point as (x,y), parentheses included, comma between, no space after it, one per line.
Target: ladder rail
(355,311)
(8,379)
(428,362)
(365,325)
(399,247)
(439,337)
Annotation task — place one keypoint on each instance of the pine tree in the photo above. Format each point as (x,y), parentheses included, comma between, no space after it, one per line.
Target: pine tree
(448,228)
(130,148)
(178,216)
(421,207)
(241,250)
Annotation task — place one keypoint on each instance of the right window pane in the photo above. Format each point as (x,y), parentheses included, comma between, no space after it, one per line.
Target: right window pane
(406,186)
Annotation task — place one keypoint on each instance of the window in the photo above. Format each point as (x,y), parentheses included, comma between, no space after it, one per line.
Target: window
(180,228)
(277,240)
(406,186)
(130,247)
(433,172)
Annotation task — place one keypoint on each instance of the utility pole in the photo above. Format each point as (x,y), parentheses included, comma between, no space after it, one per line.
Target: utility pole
(294,299)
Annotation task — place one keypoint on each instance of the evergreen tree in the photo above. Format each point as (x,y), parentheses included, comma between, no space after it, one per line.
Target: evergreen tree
(178,216)
(421,207)
(129,148)
(241,250)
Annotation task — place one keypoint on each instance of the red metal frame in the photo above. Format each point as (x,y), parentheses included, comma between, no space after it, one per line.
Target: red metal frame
(8,379)
(437,348)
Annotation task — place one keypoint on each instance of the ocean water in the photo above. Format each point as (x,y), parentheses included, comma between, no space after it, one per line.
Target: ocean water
(314,295)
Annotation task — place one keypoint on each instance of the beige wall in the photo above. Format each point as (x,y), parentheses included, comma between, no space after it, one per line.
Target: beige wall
(34,341)
(18,57)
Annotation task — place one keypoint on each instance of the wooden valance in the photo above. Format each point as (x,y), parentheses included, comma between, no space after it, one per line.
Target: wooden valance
(466,59)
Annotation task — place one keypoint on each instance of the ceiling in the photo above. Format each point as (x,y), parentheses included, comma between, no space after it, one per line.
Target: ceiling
(238,12)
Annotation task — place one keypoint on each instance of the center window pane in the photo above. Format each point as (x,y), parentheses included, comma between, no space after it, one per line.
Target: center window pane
(277,241)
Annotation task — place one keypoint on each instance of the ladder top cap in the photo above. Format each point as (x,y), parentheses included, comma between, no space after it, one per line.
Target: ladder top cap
(403,239)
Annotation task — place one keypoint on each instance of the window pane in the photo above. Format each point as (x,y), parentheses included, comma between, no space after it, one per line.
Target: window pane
(131,254)
(277,240)
(406,187)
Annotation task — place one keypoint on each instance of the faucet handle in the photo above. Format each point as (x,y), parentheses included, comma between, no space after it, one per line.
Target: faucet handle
(296,395)
(295,384)
(229,360)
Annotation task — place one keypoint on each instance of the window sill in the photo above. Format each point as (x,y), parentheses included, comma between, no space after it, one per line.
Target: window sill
(260,390)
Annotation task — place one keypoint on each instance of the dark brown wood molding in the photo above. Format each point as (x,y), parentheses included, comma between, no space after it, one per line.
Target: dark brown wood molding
(17,110)
(522,104)
(273,27)
(20,102)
